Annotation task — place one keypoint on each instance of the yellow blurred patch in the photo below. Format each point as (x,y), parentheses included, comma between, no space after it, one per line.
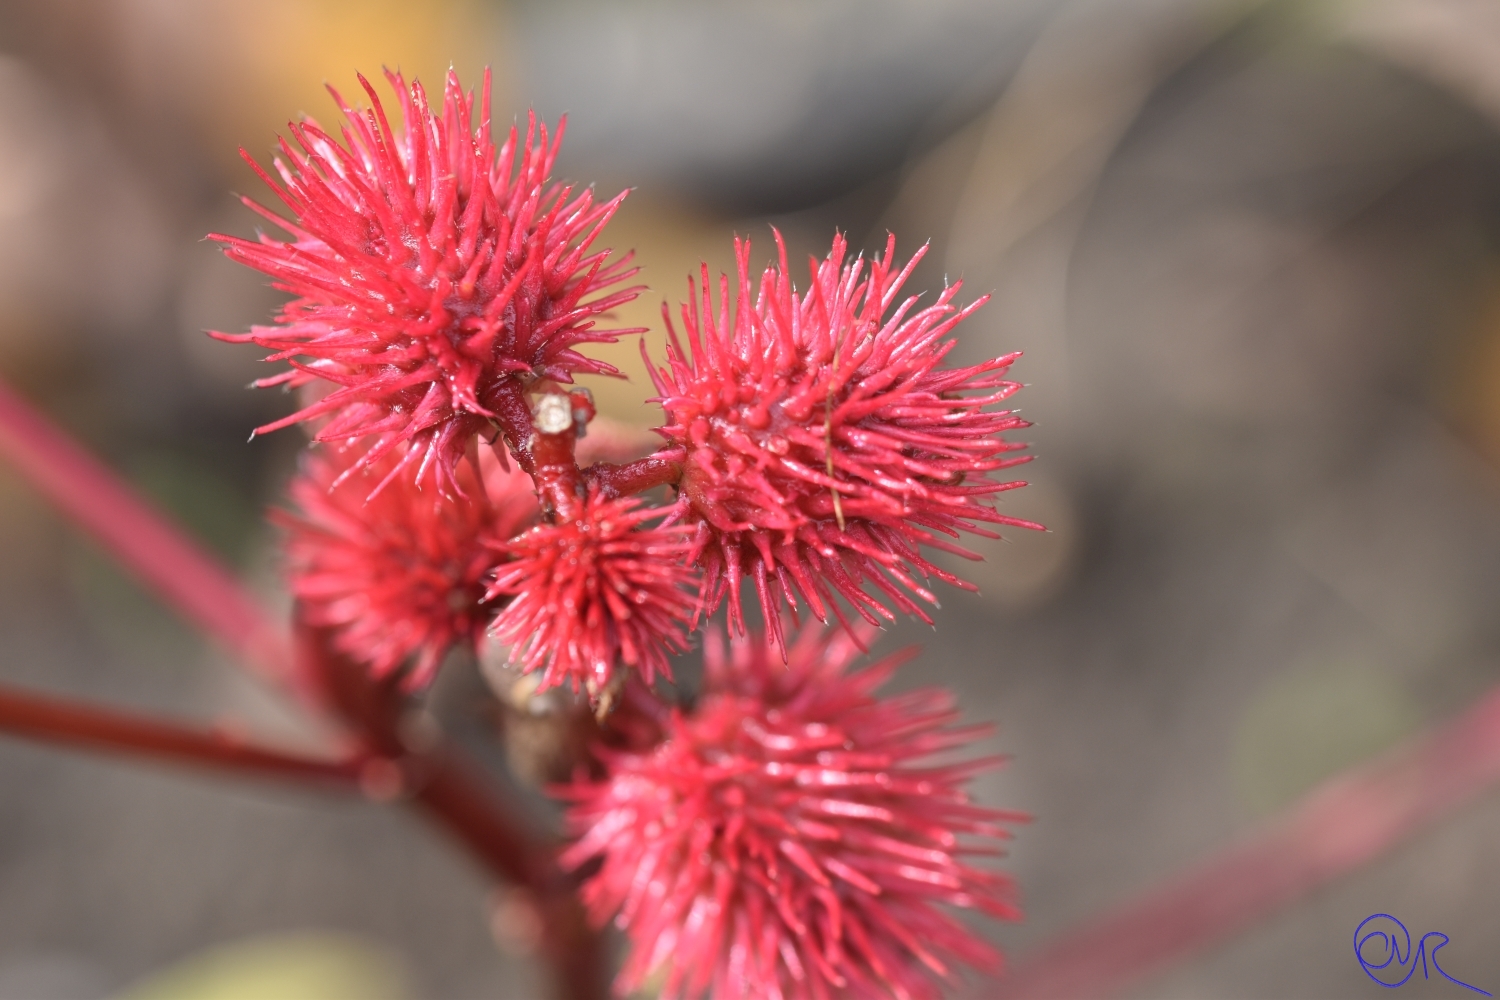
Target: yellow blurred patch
(246,69)
(309,966)
(1471,392)
(669,245)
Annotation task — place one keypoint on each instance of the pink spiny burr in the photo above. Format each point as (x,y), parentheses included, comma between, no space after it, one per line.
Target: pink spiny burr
(430,271)
(597,587)
(401,576)
(826,441)
(791,836)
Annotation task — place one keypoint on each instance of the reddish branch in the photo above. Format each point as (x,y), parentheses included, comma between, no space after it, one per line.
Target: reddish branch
(461,802)
(457,798)
(157,552)
(68,723)
(440,783)
(1348,821)
(543,451)
(661,469)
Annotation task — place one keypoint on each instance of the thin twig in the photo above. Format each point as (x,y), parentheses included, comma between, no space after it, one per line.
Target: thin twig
(664,468)
(67,723)
(188,580)
(1344,823)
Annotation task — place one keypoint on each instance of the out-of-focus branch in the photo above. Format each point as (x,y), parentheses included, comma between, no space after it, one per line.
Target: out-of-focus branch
(440,783)
(68,723)
(457,798)
(147,544)
(1348,821)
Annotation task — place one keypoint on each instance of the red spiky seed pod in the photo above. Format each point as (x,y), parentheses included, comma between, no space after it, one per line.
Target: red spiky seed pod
(790,838)
(429,270)
(598,587)
(400,574)
(826,441)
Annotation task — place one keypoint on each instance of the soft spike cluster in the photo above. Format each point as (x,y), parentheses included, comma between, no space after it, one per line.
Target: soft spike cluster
(430,269)
(825,440)
(790,837)
(401,576)
(595,588)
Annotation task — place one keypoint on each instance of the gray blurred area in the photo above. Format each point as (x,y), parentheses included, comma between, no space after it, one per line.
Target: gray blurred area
(1249,249)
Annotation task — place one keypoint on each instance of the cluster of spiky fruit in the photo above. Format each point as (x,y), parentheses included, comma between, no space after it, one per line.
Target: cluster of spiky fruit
(786,836)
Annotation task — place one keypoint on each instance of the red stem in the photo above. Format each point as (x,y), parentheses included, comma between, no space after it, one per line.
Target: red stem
(546,456)
(550,458)
(177,569)
(1344,823)
(513,415)
(68,723)
(555,473)
(661,469)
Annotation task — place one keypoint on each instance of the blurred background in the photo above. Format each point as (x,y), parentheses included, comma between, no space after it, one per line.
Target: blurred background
(1251,251)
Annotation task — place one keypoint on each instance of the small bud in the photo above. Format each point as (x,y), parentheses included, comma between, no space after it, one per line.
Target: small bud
(516,921)
(381,780)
